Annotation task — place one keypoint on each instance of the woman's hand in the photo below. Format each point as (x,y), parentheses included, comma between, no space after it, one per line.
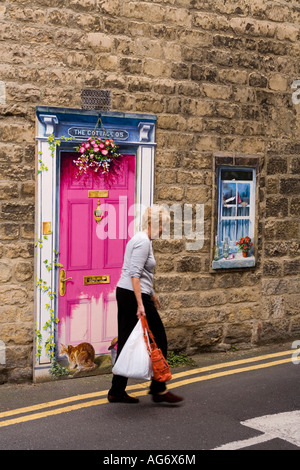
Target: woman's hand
(138,295)
(140,311)
(156,301)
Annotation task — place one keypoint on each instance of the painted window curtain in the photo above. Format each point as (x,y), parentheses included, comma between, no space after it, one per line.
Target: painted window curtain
(236,204)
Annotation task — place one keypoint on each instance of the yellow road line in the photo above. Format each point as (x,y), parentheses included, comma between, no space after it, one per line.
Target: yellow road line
(143,385)
(219,374)
(229,372)
(45,414)
(181,383)
(50,404)
(232,363)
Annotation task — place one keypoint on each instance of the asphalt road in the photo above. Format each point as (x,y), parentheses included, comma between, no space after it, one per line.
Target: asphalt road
(237,401)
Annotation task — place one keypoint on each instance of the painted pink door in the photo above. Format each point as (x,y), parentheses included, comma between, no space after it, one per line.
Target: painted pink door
(89,312)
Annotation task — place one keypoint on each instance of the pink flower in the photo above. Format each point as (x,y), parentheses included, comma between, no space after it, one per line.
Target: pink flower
(87,145)
(82,149)
(107,142)
(112,144)
(93,142)
(101,145)
(104,152)
(96,149)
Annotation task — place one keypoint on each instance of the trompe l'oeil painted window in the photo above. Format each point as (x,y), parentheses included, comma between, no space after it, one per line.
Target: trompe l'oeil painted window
(236,216)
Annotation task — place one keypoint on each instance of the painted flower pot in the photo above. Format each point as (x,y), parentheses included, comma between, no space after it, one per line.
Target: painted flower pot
(245,254)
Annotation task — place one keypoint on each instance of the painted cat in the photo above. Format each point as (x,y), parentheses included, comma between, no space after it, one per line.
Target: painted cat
(81,356)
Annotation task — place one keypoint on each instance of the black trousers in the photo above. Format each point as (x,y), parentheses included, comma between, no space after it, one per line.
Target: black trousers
(127,319)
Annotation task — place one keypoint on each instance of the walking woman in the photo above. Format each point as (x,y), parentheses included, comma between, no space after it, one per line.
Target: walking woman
(136,297)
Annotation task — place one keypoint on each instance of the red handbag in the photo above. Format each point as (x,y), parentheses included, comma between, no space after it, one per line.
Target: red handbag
(161,369)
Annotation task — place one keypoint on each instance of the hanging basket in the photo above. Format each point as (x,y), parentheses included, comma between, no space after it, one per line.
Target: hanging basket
(97,155)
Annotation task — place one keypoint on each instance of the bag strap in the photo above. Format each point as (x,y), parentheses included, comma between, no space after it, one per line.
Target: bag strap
(147,330)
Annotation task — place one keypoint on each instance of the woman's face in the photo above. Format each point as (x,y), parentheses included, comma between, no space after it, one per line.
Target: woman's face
(156,228)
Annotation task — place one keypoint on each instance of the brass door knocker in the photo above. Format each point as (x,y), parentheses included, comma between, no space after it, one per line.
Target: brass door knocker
(98,213)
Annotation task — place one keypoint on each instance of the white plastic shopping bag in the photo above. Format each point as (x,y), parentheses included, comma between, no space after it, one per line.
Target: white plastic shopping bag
(134,360)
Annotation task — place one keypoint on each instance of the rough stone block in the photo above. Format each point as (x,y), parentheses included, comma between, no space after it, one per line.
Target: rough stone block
(17,211)
(290,186)
(291,267)
(189,264)
(278,82)
(272,331)
(276,165)
(149,12)
(179,16)
(288,32)
(239,333)
(2,92)
(277,207)
(99,41)
(295,206)
(8,190)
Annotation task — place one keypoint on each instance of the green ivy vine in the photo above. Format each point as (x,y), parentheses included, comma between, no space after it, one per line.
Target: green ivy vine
(53,143)
(53,320)
(40,283)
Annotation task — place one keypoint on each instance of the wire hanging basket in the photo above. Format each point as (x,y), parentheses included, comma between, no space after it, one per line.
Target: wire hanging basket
(98,155)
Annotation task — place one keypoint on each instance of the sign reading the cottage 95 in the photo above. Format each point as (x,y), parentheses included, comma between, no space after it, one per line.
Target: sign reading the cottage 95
(85,132)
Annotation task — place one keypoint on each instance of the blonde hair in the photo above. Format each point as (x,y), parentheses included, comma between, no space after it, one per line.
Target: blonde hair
(153,214)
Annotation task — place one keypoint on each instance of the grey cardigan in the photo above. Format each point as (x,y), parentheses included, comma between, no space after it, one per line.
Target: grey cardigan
(138,262)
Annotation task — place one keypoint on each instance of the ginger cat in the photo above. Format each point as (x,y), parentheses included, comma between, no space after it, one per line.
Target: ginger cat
(81,356)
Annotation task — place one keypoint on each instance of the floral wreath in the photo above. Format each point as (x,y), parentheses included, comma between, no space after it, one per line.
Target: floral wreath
(100,155)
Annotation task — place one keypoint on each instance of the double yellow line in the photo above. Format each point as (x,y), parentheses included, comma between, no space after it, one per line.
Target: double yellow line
(34,412)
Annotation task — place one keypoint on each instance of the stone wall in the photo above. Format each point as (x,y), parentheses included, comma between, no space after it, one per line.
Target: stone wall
(218,74)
